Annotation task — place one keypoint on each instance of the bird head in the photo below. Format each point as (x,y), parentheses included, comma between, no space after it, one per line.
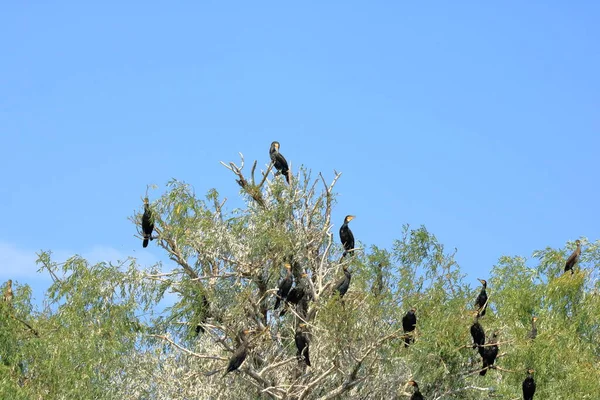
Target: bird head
(413,310)
(530,371)
(9,283)
(578,242)
(483,282)
(303,275)
(413,383)
(349,218)
(275,145)
(288,266)
(534,319)
(146,201)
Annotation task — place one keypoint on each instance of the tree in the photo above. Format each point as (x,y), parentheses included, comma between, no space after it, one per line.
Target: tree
(106,333)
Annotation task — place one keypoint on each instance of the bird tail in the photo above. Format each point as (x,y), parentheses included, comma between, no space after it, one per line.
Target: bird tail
(145,242)
(287,174)
(484,370)
(277,302)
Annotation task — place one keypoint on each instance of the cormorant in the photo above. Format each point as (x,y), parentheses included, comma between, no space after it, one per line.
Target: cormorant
(573,258)
(489,354)
(147,223)
(409,322)
(204,314)
(477,333)
(279,161)
(240,353)
(284,286)
(529,385)
(533,333)
(343,284)
(346,236)
(297,294)
(417,393)
(302,344)
(482,298)
(8,293)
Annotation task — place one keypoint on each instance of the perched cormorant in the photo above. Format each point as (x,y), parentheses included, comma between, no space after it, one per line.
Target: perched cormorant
(204,313)
(8,293)
(279,161)
(417,393)
(489,354)
(573,258)
(147,223)
(284,286)
(297,294)
(301,340)
(533,333)
(343,284)
(529,385)
(346,236)
(409,322)
(240,353)
(482,298)
(477,333)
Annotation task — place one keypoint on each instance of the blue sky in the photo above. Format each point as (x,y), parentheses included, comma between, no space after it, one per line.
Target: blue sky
(480,121)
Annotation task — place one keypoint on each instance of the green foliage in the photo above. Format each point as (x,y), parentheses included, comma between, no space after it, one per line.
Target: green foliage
(121,331)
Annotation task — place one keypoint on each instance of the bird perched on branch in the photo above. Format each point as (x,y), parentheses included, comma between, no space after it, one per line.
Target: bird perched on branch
(240,353)
(343,284)
(573,258)
(284,286)
(409,323)
(477,333)
(346,236)
(204,313)
(279,161)
(298,295)
(417,393)
(147,223)
(489,354)
(301,340)
(529,385)
(482,298)
(8,293)
(533,333)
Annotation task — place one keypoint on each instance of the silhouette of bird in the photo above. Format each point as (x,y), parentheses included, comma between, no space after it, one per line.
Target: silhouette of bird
(279,161)
(417,393)
(409,322)
(284,286)
(573,258)
(346,236)
(489,354)
(147,223)
(477,333)
(481,302)
(301,340)
(533,333)
(204,313)
(239,355)
(529,385)
(343,284)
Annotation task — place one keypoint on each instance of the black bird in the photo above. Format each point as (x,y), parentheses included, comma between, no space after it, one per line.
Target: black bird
(284,286)
(279,161)
(346,236)
(573,258)
(477,333)
(481,302)
(298,294)
(343,284)
(489,354)
(203,313)
(240,353)
(301,340)
(533,333)
(529,385)
(409,322)
(147,223)
(417,393)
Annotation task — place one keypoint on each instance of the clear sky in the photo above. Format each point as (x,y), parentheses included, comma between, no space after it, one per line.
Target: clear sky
(480,120)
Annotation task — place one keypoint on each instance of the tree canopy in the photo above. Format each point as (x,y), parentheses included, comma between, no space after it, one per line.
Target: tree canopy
(168,331)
